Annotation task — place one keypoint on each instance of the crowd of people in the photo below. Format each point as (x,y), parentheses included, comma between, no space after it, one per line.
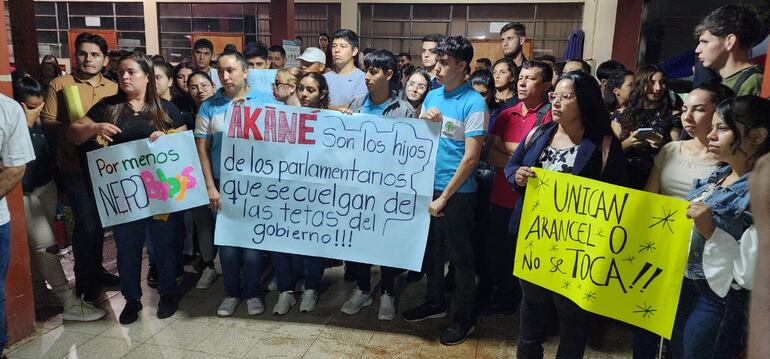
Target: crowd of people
(499,120)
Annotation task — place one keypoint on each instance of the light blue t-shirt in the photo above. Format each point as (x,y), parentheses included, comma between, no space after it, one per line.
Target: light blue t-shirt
(344,88)
(210,122)
(464,114)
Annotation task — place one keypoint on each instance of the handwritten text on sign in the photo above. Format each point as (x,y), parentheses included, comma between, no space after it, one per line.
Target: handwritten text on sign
(321,183)
(139,179)
(614,251)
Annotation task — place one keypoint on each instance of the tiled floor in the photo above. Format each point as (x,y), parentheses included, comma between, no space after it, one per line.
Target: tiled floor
(196,332)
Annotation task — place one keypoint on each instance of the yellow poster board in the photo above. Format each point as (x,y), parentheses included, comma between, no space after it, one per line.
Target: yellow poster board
(614,251)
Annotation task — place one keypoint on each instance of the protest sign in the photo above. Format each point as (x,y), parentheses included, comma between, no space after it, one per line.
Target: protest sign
(326,184)
(612,250)
(262,80)
(139,179)
(293,51)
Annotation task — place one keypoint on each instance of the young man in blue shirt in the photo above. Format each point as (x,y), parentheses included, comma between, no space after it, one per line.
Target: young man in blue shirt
(464,116)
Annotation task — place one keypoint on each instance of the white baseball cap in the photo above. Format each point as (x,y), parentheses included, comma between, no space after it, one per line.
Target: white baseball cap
(313,54)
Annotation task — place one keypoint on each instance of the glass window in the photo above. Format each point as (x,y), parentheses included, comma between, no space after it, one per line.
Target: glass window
(131,9)
(129,23)
(176,25)
(50,37)
(431,12)
(174,10)
(217,10)
(105,23)
(45,8)
(90,8)
(45,22)
(217,25)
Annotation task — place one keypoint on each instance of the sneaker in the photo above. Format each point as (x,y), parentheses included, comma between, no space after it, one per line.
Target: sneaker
(167,306)
(254,306)
(272,286)
(227,308)
(358,300)
(208,276)
(387,307)
(309,300)
(457,332)
(425,311)
(80,311)
(285,301)
(130,312)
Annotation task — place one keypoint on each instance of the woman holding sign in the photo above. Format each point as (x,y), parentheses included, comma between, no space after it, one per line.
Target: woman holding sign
(580,141)
(678,165)
(313,92)
(233,71)
(711,319)
(136,113)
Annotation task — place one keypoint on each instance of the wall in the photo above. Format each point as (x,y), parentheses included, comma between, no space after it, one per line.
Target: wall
(598,19)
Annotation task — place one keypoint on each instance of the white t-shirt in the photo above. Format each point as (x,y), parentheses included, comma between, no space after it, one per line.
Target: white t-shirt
(15,144)
(344,88)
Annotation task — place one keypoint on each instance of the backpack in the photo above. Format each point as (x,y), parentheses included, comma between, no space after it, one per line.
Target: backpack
(745,76)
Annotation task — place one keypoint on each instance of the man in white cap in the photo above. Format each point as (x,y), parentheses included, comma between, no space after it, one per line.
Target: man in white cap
(312,60)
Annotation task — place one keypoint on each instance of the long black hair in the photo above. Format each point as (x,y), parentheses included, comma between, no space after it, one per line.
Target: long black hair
(484,78)
(637,102)
(596,119)
(751,112)
(152,103)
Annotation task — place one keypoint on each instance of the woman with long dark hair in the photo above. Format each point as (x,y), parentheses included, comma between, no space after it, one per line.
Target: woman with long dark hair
(579,141)
(416,88)
(647,123)
(313,92)
(711,319)
(182,72)
(137,112)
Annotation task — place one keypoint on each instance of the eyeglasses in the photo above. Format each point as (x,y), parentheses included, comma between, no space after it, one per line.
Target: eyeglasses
(562,97)
(418,86)
(279,84)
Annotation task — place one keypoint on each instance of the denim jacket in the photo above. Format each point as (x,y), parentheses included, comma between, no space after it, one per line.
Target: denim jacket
(730,209)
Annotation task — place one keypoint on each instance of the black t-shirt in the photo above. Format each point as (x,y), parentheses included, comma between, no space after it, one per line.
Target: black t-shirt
(134,125)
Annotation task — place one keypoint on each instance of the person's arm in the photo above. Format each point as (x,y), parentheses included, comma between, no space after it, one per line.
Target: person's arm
(85,128)
(467,165)
(759,313)
(500,152)
(48,116)
(653,182)
(726,260)
(9,177)
(203,145)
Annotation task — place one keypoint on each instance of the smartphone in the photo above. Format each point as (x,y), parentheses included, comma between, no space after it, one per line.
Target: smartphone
(645,133)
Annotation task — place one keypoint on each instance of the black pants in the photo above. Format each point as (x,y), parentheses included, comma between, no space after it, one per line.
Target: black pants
(451,234)
(500,249)
(573,323)
(363,275)
(88,236)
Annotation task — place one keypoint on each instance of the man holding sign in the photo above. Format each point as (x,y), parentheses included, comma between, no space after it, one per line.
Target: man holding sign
(464,116)
(67,99)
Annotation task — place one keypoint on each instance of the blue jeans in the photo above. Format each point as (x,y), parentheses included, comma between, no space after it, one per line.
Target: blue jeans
(708,326)
(286,265)
(5,257)
(129,240)
(88,235)
(235,258)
